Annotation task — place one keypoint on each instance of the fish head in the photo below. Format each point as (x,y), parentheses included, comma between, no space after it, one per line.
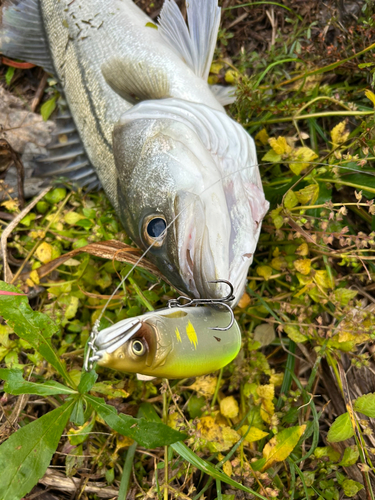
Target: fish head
(173,205)
(133,345)
(178,199)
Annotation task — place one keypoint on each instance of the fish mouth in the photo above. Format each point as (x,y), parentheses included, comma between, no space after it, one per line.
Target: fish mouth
(113,337)
(203,237)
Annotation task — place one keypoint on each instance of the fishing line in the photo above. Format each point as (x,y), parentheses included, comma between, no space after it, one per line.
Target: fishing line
(95,329)
(190,204)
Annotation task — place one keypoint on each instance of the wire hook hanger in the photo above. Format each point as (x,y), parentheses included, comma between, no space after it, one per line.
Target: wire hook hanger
(183,301)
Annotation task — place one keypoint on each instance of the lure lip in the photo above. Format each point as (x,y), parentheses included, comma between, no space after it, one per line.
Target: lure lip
(113,337)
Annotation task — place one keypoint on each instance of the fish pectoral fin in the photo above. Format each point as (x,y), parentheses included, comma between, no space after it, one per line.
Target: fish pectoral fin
(194,44)
(134,80)
(22,33)
(225,95)
(145,378)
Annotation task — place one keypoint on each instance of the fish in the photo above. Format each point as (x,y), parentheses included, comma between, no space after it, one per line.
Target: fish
(142,122)
(170,343)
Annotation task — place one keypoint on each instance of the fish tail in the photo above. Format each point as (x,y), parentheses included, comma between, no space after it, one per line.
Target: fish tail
(23,36)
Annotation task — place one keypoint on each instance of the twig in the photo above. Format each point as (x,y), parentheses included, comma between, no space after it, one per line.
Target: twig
(39,93)
(8,276)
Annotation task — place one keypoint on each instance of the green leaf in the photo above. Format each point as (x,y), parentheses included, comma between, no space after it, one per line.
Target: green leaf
(272,157)
(88,379)
(290,200)
(344,295)
(78,415)
(351,455)
(366,405)
(34,327)
(351,487)
(15,384)
(361,182)
(147,434)
(9,75)
(48,107)
(25,456)
(341,429)
(148,411)
(78,436)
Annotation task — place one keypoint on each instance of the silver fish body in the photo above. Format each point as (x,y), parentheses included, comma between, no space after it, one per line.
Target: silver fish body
(173,161)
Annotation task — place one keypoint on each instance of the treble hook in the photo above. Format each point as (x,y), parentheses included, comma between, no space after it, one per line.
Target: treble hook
(183,301)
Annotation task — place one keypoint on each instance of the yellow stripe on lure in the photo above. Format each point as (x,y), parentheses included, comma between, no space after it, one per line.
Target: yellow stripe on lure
(169,343)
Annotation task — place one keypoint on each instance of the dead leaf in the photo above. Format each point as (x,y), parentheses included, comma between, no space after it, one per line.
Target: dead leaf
(281,446)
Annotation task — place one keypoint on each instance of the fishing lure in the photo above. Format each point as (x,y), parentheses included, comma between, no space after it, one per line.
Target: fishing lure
(177,342)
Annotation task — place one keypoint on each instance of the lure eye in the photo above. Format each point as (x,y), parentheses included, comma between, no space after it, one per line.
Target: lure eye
(154,230)
(138,347)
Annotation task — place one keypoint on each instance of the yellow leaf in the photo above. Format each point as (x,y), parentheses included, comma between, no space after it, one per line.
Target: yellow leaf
(219,437)
(213,80)
(229,407)
(303,250)
(73,217)
(253,435)
(303,266)
(205,386)
(11,205)
(321,278)
(290,199)
(294,334)
(44,252)
(262,137)
(338,133)
(265,272)
(281,446)
(279,145)
(308,195)
(151,25)
(279,263)
(244,301)
(304,156)
(227,468)
(216,67)
(357,338)
(266,391)
(231,76)
(267,408)
(276,379)
(370,95)
(34,276)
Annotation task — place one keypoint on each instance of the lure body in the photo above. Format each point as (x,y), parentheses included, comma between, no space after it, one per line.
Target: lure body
(170,343)
(144,122)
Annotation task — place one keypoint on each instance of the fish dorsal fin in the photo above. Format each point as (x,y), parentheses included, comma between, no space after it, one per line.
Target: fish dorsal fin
(195,43)
(22,34)
(134,80)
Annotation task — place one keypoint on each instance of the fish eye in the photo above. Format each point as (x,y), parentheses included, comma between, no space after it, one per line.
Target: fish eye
(154,230)
(138,347)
